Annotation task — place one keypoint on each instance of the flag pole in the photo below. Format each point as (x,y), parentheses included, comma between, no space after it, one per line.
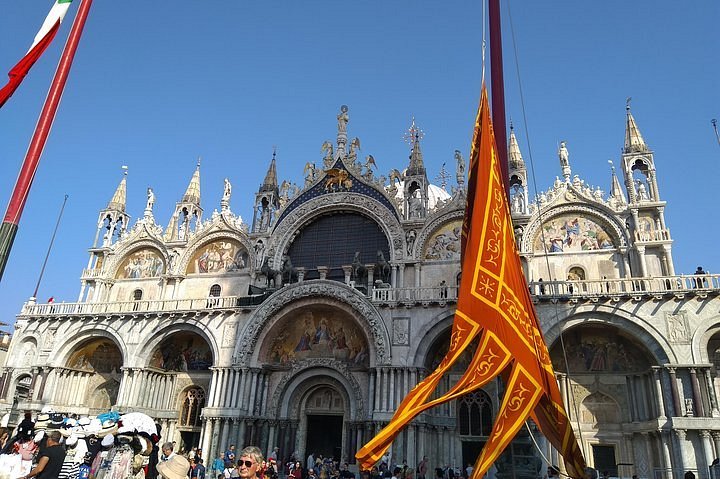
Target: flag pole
(47,255)
(498,90)
(9,226)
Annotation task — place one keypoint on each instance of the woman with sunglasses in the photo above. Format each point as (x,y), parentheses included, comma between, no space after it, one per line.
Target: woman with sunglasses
(249,462)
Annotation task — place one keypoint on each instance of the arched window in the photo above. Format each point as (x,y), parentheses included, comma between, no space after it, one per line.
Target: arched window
(475,414)
(215,291)
(193,402)
(137,295)
(576,273)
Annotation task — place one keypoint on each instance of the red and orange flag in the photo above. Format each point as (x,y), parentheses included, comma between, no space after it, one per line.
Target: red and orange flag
(494,304)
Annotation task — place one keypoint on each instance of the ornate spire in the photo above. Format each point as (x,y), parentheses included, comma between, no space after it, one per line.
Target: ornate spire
(515,157)
(271,182)
(616,191)
(413,137)
(634,142)
(192,194)
(117,203)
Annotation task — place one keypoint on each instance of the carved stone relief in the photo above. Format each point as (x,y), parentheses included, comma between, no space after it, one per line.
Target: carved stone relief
(401,331)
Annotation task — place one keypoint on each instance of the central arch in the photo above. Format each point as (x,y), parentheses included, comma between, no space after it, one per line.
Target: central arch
(302,295)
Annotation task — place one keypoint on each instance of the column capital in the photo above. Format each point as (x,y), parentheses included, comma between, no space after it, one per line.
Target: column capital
(705,434)
(680,433)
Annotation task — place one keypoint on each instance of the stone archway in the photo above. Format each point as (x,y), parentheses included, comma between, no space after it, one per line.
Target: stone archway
(315,392)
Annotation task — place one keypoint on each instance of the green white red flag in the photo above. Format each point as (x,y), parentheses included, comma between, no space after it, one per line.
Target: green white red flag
(44,37)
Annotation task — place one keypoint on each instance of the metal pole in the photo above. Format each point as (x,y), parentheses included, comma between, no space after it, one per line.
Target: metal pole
(9,226)
(52,240)
(714,124)
(498,90)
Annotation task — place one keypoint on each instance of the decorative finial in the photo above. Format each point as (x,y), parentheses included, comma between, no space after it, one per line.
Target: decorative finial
(125,169)
(413,134)
(612,166)
(199,160)
(274,151)
(511,125)
(627,103)
(443,177)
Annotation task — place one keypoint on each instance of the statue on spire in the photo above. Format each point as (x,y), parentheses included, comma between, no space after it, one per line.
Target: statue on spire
(227,191)
(460,168)
(150,202)
(564,157)
(343,119)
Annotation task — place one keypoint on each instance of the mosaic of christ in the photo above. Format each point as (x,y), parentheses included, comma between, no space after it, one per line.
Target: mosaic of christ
(317,332)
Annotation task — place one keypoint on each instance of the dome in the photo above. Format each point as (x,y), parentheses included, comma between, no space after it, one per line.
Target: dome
(435,194)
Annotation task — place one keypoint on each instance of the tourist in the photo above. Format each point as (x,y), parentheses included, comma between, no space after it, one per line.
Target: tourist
(249,462)
(230,456)
(167,452)
(310,463)
(218,465)
(296,470)
(177,467)
(197,470)
(422,468)
(50,459)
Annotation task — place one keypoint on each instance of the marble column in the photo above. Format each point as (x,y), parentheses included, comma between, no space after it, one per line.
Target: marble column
(660,402)
(707,449)
(680,440)
(675,393)
(697,396)
(714,412)
(716,441)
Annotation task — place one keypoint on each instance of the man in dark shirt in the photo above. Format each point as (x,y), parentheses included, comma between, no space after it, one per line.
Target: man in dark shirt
(50,460)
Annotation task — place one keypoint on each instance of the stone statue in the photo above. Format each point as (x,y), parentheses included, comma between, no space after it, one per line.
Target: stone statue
(343,119)
(564,155)
(642,191)
(328,149)
(150,200)
(410,239)
(460,169)
(369,165)
(309,172)
(227,191)
(354,147)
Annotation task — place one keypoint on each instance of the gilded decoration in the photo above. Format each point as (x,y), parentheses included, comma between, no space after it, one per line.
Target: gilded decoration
(143,263)
(182,352)
(444,244)
(572,233)
(598,350)
(101,356)
(317,332)
(220,256)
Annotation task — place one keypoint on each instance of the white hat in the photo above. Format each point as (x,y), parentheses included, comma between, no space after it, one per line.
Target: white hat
(108,440)
(71,441)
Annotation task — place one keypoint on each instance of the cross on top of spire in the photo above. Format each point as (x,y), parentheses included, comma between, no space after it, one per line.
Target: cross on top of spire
(413,134)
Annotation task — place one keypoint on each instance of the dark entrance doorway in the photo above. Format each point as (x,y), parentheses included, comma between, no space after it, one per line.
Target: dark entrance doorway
(189,439)
(470,452)
(324,435)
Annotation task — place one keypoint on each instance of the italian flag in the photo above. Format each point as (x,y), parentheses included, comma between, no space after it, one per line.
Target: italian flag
(42,40)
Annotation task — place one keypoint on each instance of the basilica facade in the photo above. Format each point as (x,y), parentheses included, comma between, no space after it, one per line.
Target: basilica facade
(306,327)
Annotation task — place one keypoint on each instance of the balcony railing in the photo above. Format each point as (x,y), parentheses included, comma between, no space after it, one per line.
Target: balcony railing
(131,307)
(415,295)
(659,285)
(678,285)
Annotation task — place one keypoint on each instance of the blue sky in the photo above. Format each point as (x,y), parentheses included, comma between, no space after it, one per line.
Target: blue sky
(157,84)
